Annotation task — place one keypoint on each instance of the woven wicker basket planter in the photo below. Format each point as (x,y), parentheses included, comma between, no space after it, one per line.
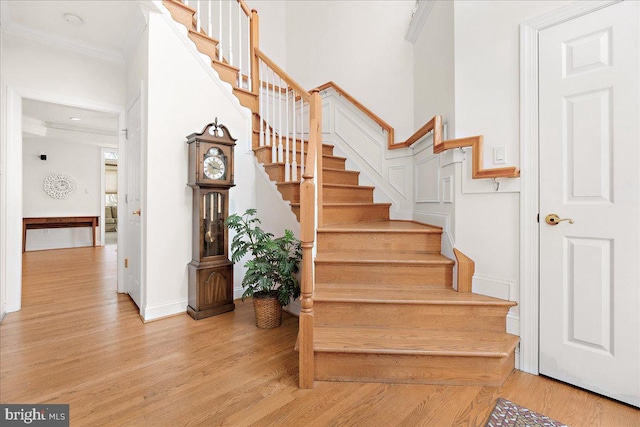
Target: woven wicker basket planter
(267,309)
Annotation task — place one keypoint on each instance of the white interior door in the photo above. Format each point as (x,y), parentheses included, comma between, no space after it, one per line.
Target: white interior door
(132,212)
(589,163)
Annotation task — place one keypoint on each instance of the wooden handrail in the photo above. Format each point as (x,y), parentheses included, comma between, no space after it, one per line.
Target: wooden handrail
(477,164)
(435,125)
(281,73)
(245,8)
(386,126)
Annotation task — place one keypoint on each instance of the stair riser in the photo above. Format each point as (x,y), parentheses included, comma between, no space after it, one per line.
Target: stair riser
(228,75)
(276,174)
(180,14)
(353,214)
(413,369)
(246,99)
(265,156)
(413,316)
(380,242)
(348,195)
(327,150)
(290,193)
(340,177)
(388,276)
(206,46)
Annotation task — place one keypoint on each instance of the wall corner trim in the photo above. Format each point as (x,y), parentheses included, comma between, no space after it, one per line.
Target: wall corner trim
(419,18)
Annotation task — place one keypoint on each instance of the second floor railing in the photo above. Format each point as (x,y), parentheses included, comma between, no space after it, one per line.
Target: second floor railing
(229,23)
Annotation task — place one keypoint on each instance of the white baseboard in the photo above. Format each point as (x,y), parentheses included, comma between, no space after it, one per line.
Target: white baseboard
(165,310)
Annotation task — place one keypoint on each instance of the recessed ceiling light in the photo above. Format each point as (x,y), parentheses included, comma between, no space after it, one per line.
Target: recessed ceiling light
(75,119)
(73,19)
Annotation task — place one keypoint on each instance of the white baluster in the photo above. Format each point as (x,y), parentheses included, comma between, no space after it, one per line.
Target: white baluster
(239,44)
(266,103)
(230,37)
(287,165)
(280,150)
(274,143)
(220,55)
(249,53)
(294,164)
(260,103)
(209,23)
(301,137)
(198,15)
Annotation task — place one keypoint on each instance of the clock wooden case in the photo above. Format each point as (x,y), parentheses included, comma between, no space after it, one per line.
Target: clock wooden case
(210,177)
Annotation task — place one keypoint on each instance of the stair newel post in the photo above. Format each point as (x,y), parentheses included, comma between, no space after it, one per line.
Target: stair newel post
(254,28)
(315,130)
(307,237)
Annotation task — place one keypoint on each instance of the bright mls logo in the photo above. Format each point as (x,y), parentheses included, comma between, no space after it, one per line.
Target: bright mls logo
(34,415)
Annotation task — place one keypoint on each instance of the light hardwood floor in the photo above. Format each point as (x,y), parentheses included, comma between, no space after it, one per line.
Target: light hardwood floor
(76,341)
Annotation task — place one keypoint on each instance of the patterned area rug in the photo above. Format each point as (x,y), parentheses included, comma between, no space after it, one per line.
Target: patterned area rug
(508,414)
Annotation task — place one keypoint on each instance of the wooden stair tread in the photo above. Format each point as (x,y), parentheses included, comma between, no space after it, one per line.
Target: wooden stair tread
(203,36)
(225,65)
(381,227)
(381,295)
(413,342)
(364,257)
(246,91)
(346,186)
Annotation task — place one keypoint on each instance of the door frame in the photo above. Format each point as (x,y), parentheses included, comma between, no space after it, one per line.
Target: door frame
(11,238)
(529,163)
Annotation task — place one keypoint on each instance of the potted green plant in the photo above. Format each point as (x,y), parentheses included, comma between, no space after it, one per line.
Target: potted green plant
(270,277)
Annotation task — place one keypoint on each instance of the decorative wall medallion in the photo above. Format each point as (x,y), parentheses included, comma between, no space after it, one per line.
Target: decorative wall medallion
(59,186)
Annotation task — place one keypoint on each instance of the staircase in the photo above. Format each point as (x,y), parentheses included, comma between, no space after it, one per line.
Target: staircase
(383,307)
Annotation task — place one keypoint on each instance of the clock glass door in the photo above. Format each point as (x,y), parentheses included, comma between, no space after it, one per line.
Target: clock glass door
(213,206)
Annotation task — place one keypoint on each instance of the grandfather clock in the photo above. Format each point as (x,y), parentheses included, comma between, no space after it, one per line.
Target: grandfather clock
(210,177)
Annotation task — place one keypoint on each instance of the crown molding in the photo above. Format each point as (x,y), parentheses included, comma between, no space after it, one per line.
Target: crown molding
(420,15)
(10,27)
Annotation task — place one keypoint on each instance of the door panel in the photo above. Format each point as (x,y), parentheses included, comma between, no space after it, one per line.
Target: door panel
(134,197)
(589,157)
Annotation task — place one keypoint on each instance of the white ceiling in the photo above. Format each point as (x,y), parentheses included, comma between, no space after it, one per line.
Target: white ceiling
(107,31)
(58,116)
(106,27)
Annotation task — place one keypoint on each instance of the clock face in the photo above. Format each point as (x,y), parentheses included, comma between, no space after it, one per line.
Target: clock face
(214,167)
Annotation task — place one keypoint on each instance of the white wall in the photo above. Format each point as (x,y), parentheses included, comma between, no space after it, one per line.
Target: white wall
(433,77)
(273,28)
(36,71)
(487,102)
(80,161)
(361,47)
(183,96)
(433,68)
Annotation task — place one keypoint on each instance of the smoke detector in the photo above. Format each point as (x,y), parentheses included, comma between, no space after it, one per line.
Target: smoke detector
(73,19)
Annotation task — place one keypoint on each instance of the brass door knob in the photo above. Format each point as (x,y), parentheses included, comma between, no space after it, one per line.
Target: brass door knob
(136,212)
(553,219)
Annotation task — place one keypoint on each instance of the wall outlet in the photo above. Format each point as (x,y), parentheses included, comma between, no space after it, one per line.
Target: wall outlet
(499,155)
